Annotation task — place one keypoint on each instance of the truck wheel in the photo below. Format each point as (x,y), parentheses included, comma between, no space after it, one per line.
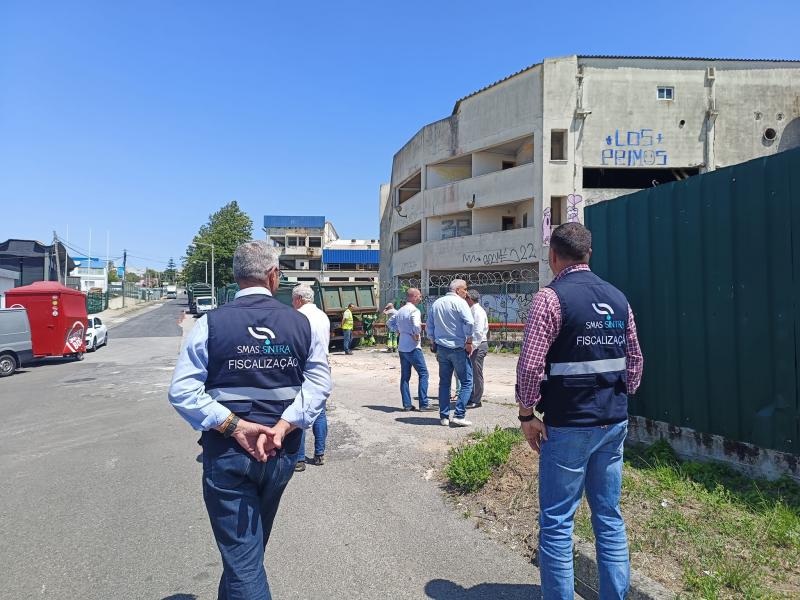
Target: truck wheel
(8,364)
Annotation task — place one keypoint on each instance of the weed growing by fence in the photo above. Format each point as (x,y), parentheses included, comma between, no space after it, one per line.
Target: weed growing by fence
(472,465)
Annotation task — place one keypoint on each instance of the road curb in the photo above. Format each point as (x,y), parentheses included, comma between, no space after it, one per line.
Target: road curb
(587,585)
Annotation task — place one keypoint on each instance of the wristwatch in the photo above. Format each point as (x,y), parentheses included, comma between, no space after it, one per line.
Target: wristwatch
(231,427)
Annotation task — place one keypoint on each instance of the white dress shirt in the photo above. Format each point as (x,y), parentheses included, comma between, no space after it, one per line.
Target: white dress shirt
(320,323)
(480,333)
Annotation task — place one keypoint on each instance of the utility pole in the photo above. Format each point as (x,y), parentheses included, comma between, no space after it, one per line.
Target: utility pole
(124,272)
(58,259)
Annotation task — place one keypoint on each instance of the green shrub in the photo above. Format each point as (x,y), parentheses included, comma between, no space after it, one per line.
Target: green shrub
(471,466)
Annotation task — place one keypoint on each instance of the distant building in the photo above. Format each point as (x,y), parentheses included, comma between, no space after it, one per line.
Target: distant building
(478,193)
(311,250)
(8,280)
(30,261)
(92,273)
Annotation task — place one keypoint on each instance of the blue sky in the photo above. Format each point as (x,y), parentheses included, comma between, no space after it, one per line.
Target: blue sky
(141,118)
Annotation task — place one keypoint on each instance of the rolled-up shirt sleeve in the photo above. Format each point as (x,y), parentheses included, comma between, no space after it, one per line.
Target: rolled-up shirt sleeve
(635,359)
(187,392)
(542,328)
(316,388)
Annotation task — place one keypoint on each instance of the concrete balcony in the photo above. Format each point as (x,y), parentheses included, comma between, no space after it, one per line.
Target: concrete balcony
(507,249)
(408,260)
(411,210)
(491,189)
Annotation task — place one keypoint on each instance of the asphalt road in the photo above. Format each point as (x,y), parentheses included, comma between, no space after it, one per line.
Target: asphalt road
(101,495)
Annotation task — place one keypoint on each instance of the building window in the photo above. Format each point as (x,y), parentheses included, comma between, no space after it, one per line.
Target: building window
(452,228)
(314,242)
(558,144)
(524,220)
(315,265)
(557,204)
(666,93)
(508,223)
(292,241)
(508,164)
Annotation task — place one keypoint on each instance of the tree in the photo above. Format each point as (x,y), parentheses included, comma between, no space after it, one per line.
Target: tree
(131,277)
(226,229)
(171,272)
(112,273)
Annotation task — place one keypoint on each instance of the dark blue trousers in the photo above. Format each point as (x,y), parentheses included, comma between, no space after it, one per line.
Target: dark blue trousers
(242,497)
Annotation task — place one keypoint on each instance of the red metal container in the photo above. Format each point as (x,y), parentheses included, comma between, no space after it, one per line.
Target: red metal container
(57,315)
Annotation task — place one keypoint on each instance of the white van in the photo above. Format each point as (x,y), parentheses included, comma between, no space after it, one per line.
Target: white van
(16,348)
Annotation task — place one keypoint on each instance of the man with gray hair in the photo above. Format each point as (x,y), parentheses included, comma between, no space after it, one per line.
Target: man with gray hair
(449,327)
(303,301)
(480,343)
(250,376)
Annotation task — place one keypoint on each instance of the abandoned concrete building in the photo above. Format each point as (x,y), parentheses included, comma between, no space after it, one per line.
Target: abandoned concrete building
(479,192)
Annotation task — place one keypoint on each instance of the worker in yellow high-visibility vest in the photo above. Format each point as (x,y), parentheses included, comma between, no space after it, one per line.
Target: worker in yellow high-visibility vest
(347,328)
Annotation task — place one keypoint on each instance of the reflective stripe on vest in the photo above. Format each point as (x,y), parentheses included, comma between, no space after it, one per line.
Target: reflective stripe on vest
(237,394)
(609,365)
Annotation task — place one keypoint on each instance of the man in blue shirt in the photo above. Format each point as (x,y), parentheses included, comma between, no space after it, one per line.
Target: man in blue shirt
(449,327)
(251,375)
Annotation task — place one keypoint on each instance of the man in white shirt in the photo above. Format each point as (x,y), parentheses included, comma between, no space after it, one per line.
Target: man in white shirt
(480,344)
(408,323)
(303,301)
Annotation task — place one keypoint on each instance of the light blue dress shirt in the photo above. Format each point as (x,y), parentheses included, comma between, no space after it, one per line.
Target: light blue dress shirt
(188,395)
(450,321)
(408,323)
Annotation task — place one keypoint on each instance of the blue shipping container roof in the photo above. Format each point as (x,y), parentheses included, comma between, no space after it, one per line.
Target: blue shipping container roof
(302,221)
(362,257)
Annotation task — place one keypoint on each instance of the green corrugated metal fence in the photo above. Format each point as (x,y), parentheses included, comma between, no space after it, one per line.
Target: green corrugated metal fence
(711,266)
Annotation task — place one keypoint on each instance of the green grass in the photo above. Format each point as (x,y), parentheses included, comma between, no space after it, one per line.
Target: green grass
(734,536)
(471,466)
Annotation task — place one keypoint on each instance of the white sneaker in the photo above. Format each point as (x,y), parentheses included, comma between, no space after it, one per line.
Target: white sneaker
(445,422)
(462,422)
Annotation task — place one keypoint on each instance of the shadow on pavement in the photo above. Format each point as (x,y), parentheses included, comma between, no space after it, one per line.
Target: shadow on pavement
(385,409)
(180,597)
(419,420)
(441,589)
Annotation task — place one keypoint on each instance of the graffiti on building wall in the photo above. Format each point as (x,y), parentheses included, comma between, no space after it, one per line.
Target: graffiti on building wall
(501,255)
(634,148)
(573,200)
(507,308)
(547,220)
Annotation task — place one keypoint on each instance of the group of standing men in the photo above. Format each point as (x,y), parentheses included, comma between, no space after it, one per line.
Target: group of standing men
(457,328)
(254,373)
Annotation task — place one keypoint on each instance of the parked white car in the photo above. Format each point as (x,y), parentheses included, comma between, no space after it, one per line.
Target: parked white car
(96,334)
(205,304)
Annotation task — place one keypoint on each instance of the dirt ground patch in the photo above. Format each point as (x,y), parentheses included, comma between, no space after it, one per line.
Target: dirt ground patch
(699,531)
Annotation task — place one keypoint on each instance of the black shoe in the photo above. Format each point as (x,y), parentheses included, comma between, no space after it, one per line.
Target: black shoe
(429,408)
(408,408)
(319,460)
(474,405)
(300,465)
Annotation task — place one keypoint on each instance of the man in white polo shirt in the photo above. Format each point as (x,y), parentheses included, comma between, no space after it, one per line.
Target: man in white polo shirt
(408,323)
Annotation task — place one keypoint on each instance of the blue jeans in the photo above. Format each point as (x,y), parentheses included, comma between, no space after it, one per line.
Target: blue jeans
(242,497)
(320,430)
(348,339)
(414,359)
(453,360)
(574,459)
